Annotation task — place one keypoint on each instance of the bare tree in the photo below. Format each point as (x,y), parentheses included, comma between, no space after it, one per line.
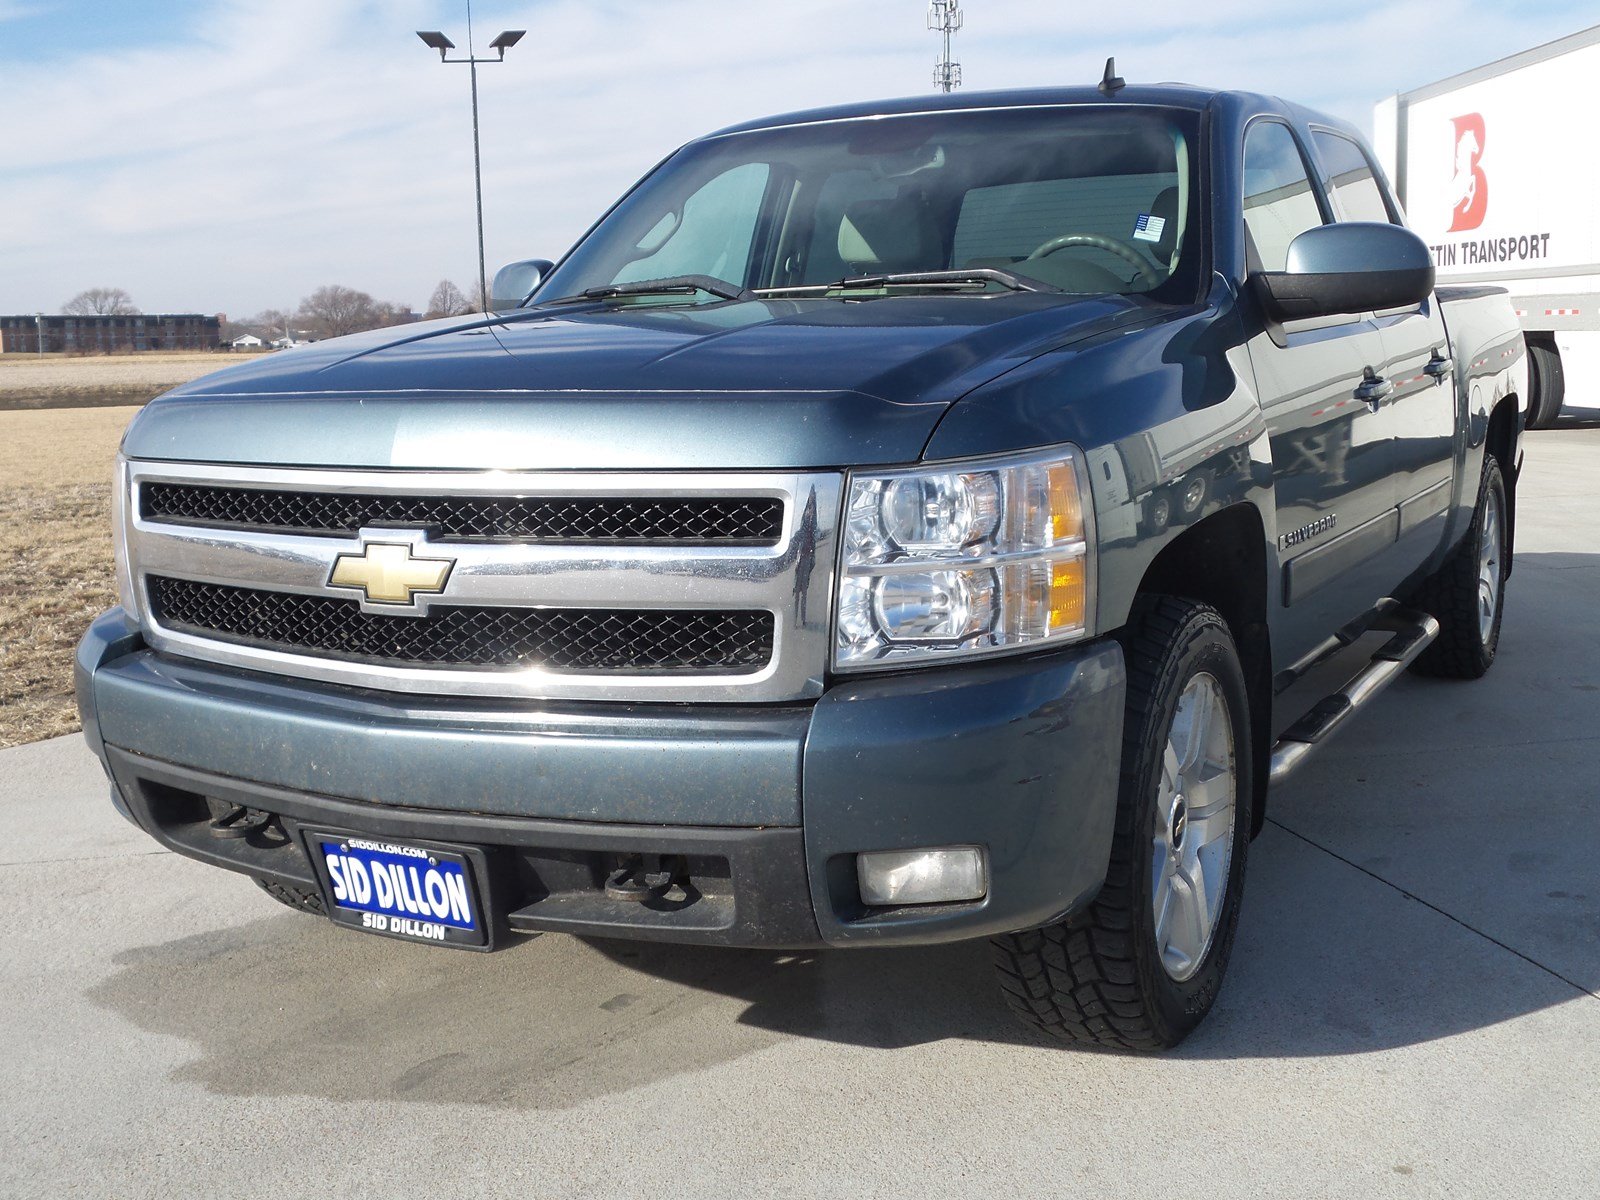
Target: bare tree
(270,324)
(335,310)
(104,302)
(447,301)
(386,313)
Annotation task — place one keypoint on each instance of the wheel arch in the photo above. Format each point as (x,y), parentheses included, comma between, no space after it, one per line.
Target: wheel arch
(1222,561)
(1501,441)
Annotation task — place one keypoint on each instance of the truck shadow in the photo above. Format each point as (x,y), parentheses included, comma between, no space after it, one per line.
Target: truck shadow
(1577,416)
(1328,963)
(1333,957)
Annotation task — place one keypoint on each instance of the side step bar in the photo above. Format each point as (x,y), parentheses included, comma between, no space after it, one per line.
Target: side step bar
(1413,631)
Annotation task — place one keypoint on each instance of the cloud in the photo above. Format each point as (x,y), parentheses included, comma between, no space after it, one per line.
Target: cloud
(276,148)
(15,10)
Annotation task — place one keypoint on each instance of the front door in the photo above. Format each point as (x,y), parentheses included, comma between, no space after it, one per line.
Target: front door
(1321,389)
(1416,362)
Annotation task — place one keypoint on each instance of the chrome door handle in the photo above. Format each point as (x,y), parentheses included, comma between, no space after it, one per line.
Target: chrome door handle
(1439,369)
(1374,389)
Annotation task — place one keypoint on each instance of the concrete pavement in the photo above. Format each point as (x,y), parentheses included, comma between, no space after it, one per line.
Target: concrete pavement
(1413,1007)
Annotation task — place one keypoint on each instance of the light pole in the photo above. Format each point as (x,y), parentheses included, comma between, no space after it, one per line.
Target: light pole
(38,324)
(435,40)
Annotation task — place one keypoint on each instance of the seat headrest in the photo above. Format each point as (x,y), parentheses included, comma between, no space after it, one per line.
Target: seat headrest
(1166,207)
(890,234)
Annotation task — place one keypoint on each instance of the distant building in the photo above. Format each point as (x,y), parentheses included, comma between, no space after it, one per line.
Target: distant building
(248,341)
(86,335)
(297,337)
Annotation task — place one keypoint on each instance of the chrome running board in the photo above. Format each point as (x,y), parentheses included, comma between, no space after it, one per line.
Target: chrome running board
(1413,632)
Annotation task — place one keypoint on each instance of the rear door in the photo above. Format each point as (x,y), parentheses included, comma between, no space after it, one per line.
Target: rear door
(1330,447)
(1416,361)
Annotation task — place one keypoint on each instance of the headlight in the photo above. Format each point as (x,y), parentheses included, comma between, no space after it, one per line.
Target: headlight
(964,557)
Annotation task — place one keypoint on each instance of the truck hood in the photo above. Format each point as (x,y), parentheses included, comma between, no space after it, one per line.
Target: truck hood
(772,385)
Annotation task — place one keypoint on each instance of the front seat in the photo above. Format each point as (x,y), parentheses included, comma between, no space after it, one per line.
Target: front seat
(889,236)
(1164,250)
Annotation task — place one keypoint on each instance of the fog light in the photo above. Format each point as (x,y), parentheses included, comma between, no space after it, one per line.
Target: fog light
(922,876)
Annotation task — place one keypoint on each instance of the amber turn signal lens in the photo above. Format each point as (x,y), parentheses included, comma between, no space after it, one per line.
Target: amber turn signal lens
(1066,514)
(1068,594)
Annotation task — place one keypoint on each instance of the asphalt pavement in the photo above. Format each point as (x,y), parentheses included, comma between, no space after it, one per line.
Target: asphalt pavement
(1413,1007)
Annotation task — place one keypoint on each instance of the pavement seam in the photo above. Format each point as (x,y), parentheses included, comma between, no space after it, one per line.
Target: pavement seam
(48,862)
(1413,751)
(1449,916)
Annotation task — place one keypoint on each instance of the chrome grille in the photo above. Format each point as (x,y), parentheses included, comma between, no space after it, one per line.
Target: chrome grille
(684,608)
(732,520)
(458,635)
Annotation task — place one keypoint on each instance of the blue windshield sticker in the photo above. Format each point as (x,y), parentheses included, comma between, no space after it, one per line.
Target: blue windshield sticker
(1148,228)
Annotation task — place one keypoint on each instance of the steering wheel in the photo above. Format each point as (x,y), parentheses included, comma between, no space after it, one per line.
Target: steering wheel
(1140,264)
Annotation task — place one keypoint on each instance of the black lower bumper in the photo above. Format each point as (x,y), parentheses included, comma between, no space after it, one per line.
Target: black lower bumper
(735,887)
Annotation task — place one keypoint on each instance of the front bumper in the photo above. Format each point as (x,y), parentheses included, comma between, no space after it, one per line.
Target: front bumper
(766,806)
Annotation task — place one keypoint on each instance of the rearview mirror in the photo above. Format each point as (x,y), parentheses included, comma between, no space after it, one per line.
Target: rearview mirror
(515,282)
(1352,267)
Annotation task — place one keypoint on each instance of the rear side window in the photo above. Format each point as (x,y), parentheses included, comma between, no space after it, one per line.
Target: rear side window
(1279,202)
(1351,180)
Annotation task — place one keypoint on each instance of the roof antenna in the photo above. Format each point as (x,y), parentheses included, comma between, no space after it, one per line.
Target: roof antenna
(1112,83)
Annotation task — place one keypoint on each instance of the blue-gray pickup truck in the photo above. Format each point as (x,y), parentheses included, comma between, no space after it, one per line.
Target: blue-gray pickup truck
(898,523)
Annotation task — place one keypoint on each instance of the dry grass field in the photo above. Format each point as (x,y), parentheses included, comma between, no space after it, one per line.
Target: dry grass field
(60,421)
(55,544)
(57,381)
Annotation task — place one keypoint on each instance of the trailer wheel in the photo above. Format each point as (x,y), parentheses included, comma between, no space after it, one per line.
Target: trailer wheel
(1158,512)
(1547,383)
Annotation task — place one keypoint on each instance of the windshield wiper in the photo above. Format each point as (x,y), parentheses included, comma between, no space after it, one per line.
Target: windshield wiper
(945,281)
(672,285)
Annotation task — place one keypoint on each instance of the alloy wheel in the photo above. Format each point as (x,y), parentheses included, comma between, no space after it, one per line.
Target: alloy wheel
(1196,807)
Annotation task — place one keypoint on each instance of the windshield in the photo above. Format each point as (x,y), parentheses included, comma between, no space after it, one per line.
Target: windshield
(1079,199)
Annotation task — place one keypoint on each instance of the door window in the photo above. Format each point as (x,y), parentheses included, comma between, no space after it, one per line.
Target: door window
(1279,201)
(1351,180)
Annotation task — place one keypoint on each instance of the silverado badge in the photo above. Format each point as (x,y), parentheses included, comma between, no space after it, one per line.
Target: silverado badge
(388,573)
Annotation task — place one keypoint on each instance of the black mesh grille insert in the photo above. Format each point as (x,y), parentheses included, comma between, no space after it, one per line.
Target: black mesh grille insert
(458,635)
(735,520)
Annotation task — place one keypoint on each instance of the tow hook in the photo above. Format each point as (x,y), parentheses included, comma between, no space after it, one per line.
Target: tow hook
(644,877)
(238,822)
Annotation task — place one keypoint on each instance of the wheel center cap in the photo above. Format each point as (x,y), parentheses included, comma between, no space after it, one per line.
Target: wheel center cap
(1178,820)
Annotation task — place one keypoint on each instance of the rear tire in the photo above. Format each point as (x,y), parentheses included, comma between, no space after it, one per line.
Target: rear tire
(1142,965)
(1467,593)
(306,900)
(1547,385)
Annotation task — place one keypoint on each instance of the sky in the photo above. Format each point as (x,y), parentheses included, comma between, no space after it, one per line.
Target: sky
(231,156)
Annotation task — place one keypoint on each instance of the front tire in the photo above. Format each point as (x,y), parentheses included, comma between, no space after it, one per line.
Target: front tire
(1142,966)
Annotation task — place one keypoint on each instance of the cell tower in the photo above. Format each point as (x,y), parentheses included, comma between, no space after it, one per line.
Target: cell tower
(944,17)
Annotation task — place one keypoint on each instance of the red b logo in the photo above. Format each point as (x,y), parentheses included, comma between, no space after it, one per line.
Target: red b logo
(1469,187)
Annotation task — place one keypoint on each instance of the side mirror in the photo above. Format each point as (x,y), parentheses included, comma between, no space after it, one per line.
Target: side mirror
(516,282)
(1354,267)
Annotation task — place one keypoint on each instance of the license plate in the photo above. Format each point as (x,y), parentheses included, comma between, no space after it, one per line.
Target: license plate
(416,891)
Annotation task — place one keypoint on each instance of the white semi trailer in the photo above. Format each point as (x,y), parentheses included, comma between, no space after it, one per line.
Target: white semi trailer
(1499,171)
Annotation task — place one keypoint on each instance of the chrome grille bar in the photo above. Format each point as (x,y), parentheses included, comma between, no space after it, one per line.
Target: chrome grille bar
(792,579)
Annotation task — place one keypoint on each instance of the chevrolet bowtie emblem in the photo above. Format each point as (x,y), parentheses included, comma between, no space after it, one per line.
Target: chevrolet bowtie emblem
(388,573)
